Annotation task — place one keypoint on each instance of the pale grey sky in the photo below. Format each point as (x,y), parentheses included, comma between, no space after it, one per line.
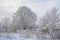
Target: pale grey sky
(8,7)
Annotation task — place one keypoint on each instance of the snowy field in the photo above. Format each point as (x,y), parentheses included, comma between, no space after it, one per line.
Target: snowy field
(14,36)
(24,37)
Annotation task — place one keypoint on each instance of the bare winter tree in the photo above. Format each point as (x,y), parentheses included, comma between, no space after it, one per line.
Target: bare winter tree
(51,20)
(5,23)
(24,18)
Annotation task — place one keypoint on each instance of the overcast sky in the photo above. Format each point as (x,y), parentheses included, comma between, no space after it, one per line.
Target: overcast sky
(8,7)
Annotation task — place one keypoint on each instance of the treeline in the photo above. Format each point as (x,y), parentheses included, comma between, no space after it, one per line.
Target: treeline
(23,19)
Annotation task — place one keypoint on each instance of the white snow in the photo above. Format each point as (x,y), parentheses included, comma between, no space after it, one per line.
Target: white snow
(22,37)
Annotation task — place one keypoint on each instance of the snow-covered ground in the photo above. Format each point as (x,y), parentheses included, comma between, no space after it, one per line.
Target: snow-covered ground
(22,37)
(16,37)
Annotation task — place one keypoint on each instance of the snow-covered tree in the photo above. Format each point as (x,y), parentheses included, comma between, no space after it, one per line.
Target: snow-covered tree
(24,18)
(5,23)
(50,20)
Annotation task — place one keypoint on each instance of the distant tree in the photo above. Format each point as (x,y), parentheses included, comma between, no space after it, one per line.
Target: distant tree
(5,23)
(24,18)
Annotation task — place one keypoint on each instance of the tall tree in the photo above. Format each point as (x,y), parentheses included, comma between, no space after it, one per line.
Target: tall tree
(24,18)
